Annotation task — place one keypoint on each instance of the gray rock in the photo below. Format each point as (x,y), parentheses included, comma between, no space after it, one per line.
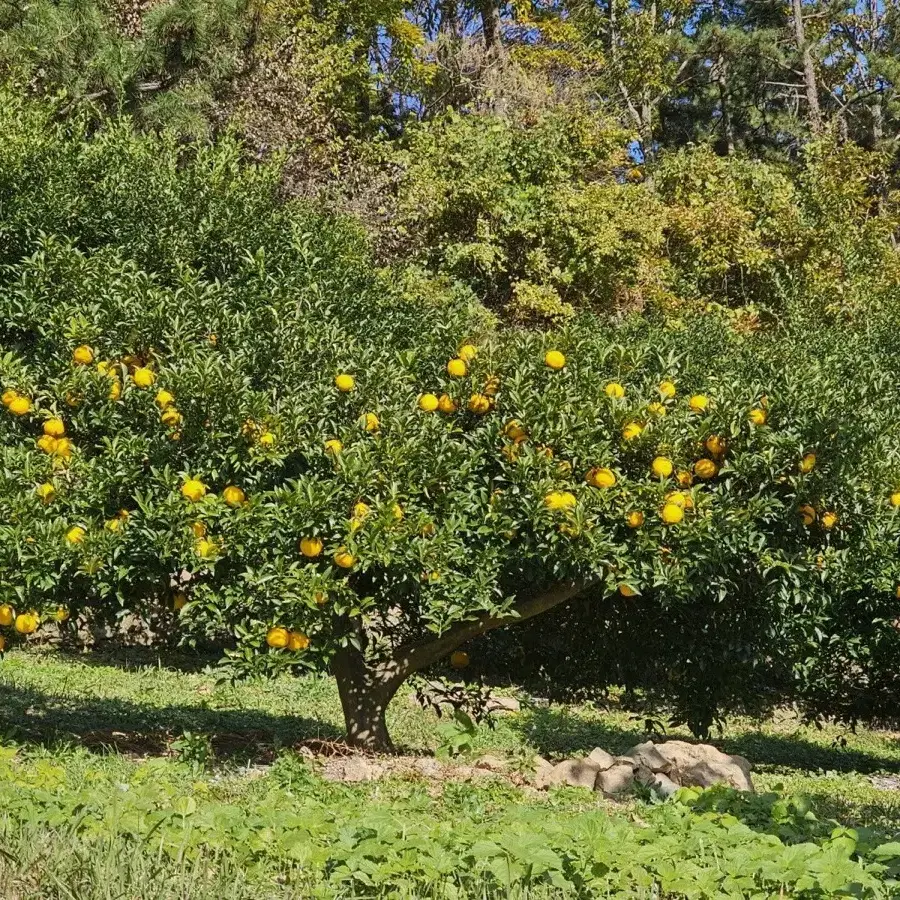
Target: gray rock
(701,765)
(663,785)
(491,763)
(647,755)
(351,768)
(616,780)
(575,772)
(602,758)
(542,770)
(503,705)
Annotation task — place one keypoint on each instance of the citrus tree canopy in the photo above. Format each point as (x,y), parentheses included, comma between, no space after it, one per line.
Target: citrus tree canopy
(360,471)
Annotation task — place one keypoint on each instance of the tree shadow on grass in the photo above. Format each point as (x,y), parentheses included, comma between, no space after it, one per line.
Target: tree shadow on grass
(112,725)
(131,658)
(555,732)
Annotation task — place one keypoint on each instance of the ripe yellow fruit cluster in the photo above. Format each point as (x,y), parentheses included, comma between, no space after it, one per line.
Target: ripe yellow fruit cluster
(280,638)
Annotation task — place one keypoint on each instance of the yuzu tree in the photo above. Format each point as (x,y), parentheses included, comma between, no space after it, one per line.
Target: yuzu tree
(349,473)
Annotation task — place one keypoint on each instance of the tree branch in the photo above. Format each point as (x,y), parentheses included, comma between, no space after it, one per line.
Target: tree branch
(414,657)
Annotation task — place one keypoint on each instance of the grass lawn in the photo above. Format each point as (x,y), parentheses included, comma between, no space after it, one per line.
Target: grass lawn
(106,790)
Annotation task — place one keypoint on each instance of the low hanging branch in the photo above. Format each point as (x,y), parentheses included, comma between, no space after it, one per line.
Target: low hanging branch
(366,688)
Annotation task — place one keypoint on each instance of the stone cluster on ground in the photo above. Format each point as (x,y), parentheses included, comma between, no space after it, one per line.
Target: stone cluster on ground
(662,767)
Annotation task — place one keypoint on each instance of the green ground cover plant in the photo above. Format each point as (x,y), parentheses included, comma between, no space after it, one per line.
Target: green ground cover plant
(79,819)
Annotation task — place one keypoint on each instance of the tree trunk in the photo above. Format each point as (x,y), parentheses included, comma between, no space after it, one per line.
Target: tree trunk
(721,75)
(809,69)
(366,687)
(490,22)
(365,693)
(877,109)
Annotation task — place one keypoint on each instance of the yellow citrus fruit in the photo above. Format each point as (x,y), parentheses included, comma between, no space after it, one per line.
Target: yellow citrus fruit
(311,547)
(657,409)
(233,495)
(320,597)
(446,404)
(758,416)
(397,512)
(627,591)
(807,514)
(699,403)
(635,519)
(632,431)
(361,510)
(428,529)
(115,390)
(278,637)
(62,614)
(46,491)
(63,448)
(199,529)
(193,490)
(672,513)
(266,439)
(297,640)
(113,524)
(83,355)
(601,478)
(75,535)
(467,352)
(54,427)
(829,520)
(164,398)
(333,447)
(492,385)
(554,359)
(428,403)
(895,498)
(614,390)
(715,444)
(667,389)
(479,404)
(7,614)
(684,478)
(705,469)
(171,417)
(8,396)
(560,500)
(808,463)
(456,368)
(47,444)
(514,431)
(677,498)
(143,377)
(19,406)
(661,467)
(26,623)
(205,548)
(344,558)
(459,659)
(371,423)
(2,643)
(179,601)
(344,382)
